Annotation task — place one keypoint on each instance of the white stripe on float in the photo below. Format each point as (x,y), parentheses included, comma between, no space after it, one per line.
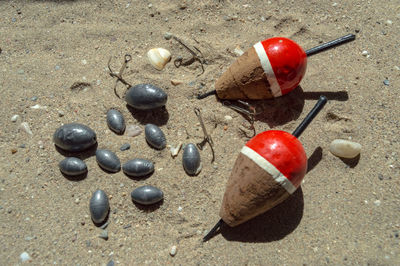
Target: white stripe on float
(269,168)
(269,72)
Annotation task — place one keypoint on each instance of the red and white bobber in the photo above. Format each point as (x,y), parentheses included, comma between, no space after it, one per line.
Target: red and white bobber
(269,69)
(269,168)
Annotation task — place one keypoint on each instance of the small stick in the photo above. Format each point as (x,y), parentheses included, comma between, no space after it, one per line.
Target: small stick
(311,115)
(331,44)
(207,137)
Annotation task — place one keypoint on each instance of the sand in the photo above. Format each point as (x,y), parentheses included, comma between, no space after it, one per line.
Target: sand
(346,211)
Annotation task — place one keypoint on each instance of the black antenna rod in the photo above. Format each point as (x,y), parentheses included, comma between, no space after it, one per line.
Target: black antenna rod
(213,230)
(311,115)
(202,96)
(331,44)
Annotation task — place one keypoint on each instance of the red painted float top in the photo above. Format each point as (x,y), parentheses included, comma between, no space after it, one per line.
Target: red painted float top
(288,61)
(282,150)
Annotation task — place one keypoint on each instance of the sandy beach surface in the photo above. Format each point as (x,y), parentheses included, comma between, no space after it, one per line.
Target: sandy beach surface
(53,71)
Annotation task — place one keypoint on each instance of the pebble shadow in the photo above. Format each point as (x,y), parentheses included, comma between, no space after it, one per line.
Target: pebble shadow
(158,116)
(137,178)
(75,178)
(273,225)
(107,171)
(351,162)
(118,133)
(81,155)
(103,222)
(149,208)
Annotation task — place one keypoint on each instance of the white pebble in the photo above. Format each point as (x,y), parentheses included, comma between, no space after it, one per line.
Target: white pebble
(14,118)
(84,62)
(24,257)
(172,252)
(389,22)
(133,130)
(25,127)
(228,118)
(334,4)
(175,151)
(39,171)
(377,202)
(37,106)
(180,209)
(168,35)
(344,148)
(364,53)
(40,143)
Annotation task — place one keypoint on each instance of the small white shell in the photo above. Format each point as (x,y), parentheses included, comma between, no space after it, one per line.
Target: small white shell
(344,148)
(14,118)
(238,51)
(158,57)
(175,150)
(133,130)
(25,127)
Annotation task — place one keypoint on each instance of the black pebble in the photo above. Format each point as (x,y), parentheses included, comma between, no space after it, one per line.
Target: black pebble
(155,137)
(72,166)
(138,167)
(108,160)
(125,147)
(74,137)
(99,206)
(115,121)
(191,159)
(147,195)
(145,97)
